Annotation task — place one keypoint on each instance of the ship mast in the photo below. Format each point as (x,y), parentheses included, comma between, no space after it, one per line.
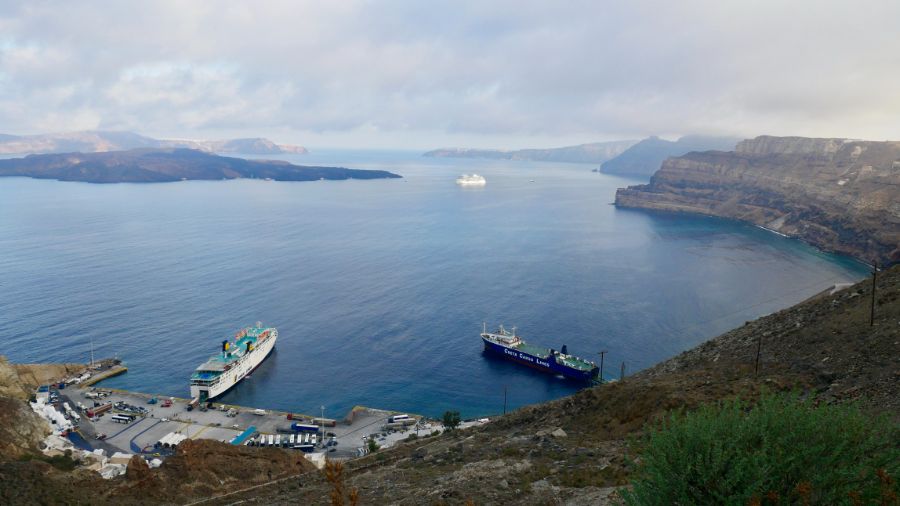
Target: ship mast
(92,352)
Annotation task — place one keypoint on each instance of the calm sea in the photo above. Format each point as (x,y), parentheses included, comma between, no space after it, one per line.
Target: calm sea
(379,288)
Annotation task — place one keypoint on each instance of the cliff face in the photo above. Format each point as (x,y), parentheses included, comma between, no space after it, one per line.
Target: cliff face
(645,157)
(20,428)
(839,195)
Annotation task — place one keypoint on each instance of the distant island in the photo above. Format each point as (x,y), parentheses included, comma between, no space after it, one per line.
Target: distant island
(90,141)
(645,157)
(160,165)
(597,152)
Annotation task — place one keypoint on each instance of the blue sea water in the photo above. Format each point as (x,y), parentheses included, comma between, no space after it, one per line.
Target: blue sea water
(379,288)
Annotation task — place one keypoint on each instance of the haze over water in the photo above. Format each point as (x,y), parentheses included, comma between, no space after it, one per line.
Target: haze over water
(379,288)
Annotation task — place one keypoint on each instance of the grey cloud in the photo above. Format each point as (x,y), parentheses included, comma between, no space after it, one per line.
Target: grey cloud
(519,71)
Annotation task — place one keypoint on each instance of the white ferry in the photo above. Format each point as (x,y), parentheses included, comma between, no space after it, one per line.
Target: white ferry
(233,363)
(471,180)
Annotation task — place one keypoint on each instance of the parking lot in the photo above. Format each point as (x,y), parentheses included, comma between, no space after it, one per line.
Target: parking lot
(154,421)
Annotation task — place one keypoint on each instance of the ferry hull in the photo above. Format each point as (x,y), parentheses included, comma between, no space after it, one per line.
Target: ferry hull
(541,364)
(232,377)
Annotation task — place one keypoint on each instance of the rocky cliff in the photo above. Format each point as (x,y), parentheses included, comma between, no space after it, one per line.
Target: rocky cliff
(21,430)
(645,157)
(838,194)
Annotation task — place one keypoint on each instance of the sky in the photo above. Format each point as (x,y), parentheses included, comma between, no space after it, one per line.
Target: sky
(429,74)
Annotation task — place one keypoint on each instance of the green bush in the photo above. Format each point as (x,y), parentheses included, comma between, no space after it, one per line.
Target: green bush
(451,419)
(782,450)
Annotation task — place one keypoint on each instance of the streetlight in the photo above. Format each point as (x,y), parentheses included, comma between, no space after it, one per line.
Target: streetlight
(322,421)
(602,353)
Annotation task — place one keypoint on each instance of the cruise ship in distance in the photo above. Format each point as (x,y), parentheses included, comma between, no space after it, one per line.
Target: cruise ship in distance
(471,180)
(511,347)
(233,363)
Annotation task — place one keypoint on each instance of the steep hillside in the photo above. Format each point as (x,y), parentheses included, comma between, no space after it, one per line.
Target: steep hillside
(98,141)
(166,165)
(837,194)
(21,430)
(645,157)
(575,451)
(597,152)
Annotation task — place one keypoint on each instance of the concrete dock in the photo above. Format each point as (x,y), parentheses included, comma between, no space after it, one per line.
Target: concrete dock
(113,370)
(141,435)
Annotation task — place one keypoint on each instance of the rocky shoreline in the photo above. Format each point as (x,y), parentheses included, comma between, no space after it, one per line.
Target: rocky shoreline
(839,195)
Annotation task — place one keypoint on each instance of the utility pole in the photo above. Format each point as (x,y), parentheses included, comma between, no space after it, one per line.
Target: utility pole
(504,399)
(622,372)
(92,352)
(322,420)
(602,353)
(874,280)
(758,349)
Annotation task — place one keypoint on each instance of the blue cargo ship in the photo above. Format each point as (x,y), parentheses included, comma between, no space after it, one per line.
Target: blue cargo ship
(511,347)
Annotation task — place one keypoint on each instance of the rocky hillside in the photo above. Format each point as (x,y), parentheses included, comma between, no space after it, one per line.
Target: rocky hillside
(166,165)
(97,141)
(199,469)
(645,157)
(570,451)
(840,195)
(21,430)
(597,152)
(575,450)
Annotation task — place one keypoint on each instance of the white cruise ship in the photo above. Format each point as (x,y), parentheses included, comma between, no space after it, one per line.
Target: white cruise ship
(233,363)
(471,180)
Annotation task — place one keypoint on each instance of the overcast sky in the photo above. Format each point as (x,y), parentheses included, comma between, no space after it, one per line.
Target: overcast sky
(424,74)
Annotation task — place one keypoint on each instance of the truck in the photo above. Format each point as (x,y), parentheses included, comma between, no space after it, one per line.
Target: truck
(98,410)
(193,404)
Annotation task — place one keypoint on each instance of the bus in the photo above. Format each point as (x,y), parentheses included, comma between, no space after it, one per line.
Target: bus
(398,418)
(121,419)
(305,427)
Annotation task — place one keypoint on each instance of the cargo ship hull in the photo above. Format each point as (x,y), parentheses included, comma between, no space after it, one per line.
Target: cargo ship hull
(537,362)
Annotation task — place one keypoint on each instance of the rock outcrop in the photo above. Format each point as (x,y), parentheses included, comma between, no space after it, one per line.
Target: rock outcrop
(21,430)
(839,195)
